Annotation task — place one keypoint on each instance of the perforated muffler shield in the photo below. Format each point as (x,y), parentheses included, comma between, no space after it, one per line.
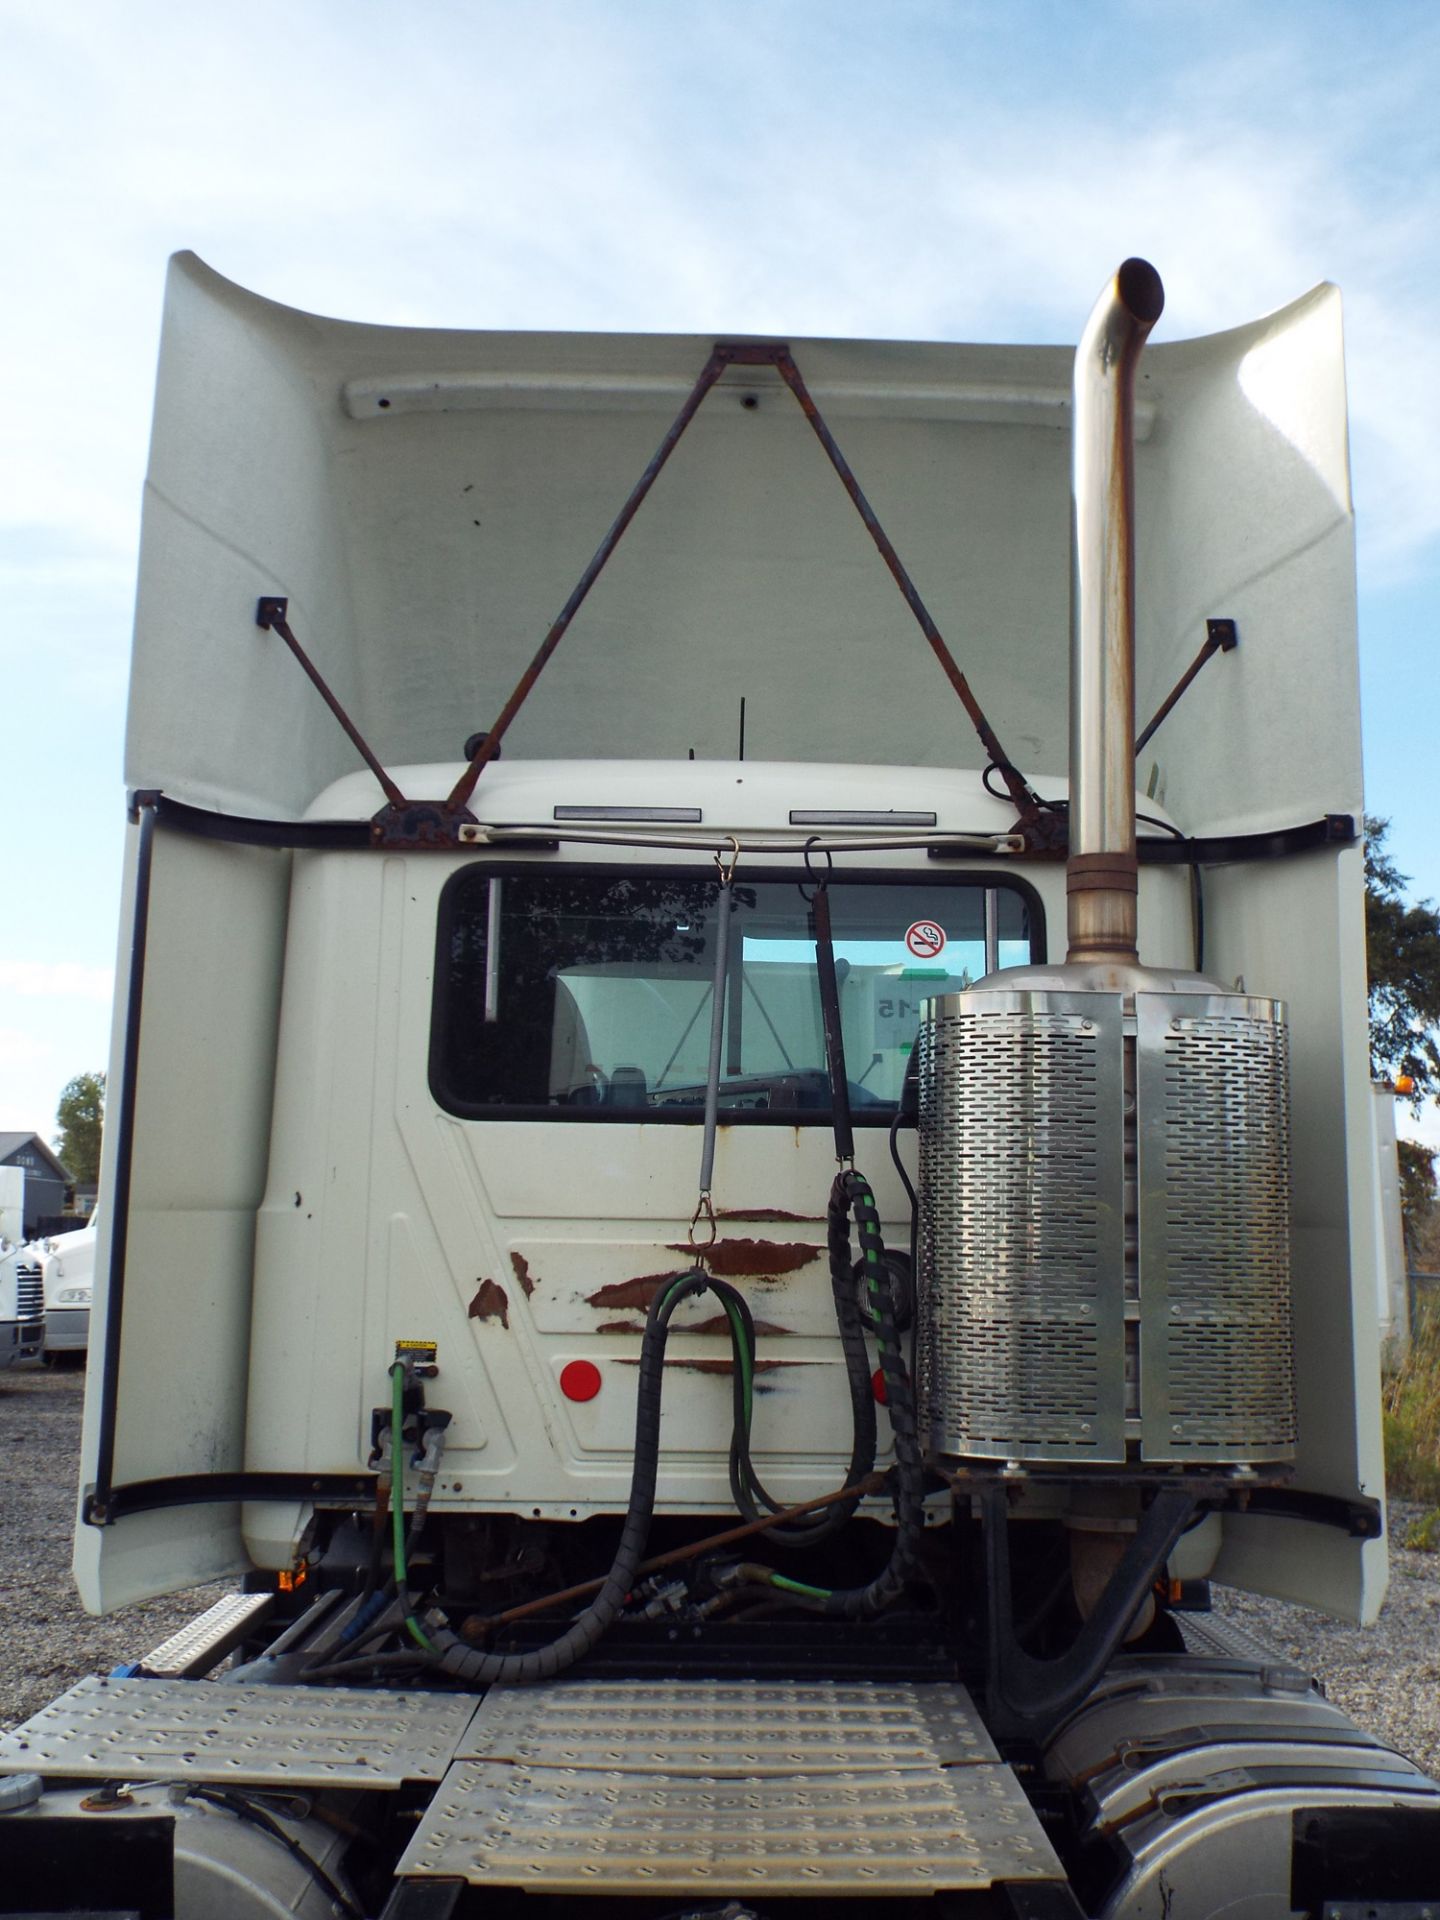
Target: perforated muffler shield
(1086,1159)
(1022,1320)
(1217,1360)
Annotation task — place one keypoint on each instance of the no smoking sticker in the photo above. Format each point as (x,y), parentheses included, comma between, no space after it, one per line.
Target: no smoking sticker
(925,940)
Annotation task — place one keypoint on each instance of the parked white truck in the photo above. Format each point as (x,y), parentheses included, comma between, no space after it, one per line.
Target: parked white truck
(22,1304)
(725,1281)
(67,1273)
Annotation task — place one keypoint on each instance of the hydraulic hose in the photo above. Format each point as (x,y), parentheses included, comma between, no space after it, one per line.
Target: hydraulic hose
(851,1194)
(473,1667)
(750,1495)
(477,1668)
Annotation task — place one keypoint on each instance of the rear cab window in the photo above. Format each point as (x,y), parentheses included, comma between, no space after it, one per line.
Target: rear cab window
(579,993)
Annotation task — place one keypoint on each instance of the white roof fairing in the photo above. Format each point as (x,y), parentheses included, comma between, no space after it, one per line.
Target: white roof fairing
(426,545)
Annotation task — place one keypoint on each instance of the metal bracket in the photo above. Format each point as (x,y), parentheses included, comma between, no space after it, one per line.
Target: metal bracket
(1029,1698)
(414,825)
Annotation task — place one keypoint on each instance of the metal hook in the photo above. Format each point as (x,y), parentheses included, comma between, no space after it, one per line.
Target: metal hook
(704,1210)
(819,879)
(727,873)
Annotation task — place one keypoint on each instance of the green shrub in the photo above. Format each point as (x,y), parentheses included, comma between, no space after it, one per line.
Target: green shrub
(1411,1403)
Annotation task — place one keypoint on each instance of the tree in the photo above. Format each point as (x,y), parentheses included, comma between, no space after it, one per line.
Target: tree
(1402,942)
(1417,1190)
(80,1123)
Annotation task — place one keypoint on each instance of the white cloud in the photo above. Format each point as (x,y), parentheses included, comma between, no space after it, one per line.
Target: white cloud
(930,168)
(945,170)
(55,980)
(20,1049)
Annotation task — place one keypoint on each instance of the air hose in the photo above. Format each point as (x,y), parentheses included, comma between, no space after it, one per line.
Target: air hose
(750,1496)
(851,1195)
(483,1669)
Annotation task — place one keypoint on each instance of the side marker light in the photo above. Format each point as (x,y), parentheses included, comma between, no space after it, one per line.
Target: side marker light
(580,1380)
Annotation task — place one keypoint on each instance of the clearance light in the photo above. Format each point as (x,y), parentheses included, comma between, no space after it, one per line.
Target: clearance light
(580,1380)
(1404,1083)
(877,1385)
(681,815)
(291,1579)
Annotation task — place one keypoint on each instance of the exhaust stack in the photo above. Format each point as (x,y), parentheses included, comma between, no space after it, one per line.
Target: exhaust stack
(1101,875)
(1104,1146)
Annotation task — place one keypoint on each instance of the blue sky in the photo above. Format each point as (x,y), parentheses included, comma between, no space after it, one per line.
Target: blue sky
(913,169)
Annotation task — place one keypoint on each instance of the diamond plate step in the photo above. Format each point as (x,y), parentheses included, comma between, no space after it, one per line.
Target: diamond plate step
(1214,1636)
(561,1830)
(202,1730)
(206,1640)
(719,1728)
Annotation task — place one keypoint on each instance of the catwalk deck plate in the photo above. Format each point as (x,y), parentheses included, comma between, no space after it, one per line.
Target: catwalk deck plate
(203,1730)
(721,1728)
(573,1831)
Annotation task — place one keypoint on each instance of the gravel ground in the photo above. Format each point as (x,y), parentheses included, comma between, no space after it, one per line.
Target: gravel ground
(1387,1676)
(50,1640)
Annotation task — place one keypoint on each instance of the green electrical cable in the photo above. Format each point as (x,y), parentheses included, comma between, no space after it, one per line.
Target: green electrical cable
(742,1348)
(798,1586)
(397,1510)
(747,1375)
(745,1360)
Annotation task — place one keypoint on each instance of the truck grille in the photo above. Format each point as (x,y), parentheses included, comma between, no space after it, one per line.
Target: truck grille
(29,1291)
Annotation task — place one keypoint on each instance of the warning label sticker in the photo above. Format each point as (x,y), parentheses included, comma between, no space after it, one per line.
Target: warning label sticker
(925,939)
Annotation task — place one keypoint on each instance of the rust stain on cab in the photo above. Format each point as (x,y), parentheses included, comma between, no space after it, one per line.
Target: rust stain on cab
(522,1273)
(491,1302)
(638,1292)
(758,1214)
(742,1259)
(717,1324)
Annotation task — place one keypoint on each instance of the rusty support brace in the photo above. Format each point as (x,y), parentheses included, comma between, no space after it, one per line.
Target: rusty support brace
(490,745)
(436,823)
(1040,825)
(270,614)
(1220,637)
(1027,802)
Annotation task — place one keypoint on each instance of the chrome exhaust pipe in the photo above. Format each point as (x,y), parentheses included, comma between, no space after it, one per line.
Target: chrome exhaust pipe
(1101,873)
(1104,1146)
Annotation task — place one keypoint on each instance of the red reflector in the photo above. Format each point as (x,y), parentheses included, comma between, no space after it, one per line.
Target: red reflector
(580,1380)
(877,1385)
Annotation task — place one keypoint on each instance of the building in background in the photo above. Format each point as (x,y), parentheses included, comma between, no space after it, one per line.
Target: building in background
(50,1205)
